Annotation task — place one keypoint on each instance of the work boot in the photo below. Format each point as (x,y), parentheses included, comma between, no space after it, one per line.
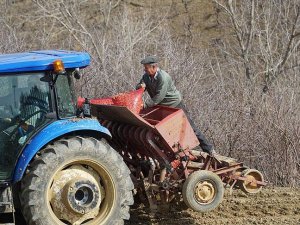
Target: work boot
(214,154)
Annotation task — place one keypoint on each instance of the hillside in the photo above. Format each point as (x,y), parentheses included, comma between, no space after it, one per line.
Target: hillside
(192,19)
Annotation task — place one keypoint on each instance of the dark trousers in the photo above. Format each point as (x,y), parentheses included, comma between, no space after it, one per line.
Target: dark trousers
(204,143)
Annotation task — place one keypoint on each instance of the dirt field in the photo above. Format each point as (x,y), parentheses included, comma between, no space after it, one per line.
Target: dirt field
(276,206)
(272,206)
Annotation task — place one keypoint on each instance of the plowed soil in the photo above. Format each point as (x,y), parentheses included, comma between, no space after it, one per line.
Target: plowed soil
(271,206)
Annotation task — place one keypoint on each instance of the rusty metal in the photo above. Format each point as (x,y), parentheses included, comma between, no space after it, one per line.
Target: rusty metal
(195,165)
(157,145)
(167,126)
(231,187)
(227,169)
(253,181)
(163,174)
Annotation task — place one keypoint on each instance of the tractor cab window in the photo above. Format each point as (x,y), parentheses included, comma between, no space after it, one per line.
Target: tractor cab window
(24,103)
(65,95)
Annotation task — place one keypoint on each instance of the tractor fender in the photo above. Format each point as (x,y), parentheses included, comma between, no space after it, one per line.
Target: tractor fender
(51,132)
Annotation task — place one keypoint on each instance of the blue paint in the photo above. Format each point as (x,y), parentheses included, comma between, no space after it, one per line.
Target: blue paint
(49,133)
(41,60)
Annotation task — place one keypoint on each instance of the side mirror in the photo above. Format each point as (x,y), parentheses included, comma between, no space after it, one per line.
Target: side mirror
(46,78)
(77,74)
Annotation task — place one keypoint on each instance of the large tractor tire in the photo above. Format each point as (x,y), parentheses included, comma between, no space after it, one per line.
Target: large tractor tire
(203,191)
(77,181)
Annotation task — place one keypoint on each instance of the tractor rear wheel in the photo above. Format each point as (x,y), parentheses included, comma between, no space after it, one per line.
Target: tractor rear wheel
(203,191)
(77,181)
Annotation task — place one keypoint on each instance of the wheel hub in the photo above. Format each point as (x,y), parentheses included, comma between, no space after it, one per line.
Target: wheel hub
(204,192)
(76,194)
(82,196)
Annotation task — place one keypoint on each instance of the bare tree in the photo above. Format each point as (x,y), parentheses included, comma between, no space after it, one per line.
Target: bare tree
(267,35)
(262,44)
(243,92)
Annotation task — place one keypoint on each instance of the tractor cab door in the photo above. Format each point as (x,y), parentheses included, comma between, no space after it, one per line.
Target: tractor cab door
(24,102)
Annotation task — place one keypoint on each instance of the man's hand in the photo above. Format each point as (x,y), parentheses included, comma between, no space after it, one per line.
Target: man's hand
(143,85)
(139,86)
(214,154)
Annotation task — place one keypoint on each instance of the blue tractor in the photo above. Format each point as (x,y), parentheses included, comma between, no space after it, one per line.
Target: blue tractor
(56,167)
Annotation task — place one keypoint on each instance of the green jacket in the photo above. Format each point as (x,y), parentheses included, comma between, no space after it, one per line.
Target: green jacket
(161,90)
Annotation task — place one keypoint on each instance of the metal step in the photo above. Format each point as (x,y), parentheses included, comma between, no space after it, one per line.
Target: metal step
(6,205)
(6,200)
(7,219)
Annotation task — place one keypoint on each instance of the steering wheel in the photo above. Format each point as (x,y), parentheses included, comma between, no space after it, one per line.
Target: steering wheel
(19,123)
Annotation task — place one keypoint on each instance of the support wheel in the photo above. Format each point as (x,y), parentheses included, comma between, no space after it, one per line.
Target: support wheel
(203,191)
(250,185)
(77,181)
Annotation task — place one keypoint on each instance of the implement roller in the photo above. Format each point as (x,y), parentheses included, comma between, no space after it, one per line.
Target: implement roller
(157,145)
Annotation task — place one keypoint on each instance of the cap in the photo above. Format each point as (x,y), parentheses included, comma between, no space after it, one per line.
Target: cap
(149,60)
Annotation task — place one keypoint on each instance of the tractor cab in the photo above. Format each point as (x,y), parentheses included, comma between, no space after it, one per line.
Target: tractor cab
(36,89)
(24,104)
(60,169)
